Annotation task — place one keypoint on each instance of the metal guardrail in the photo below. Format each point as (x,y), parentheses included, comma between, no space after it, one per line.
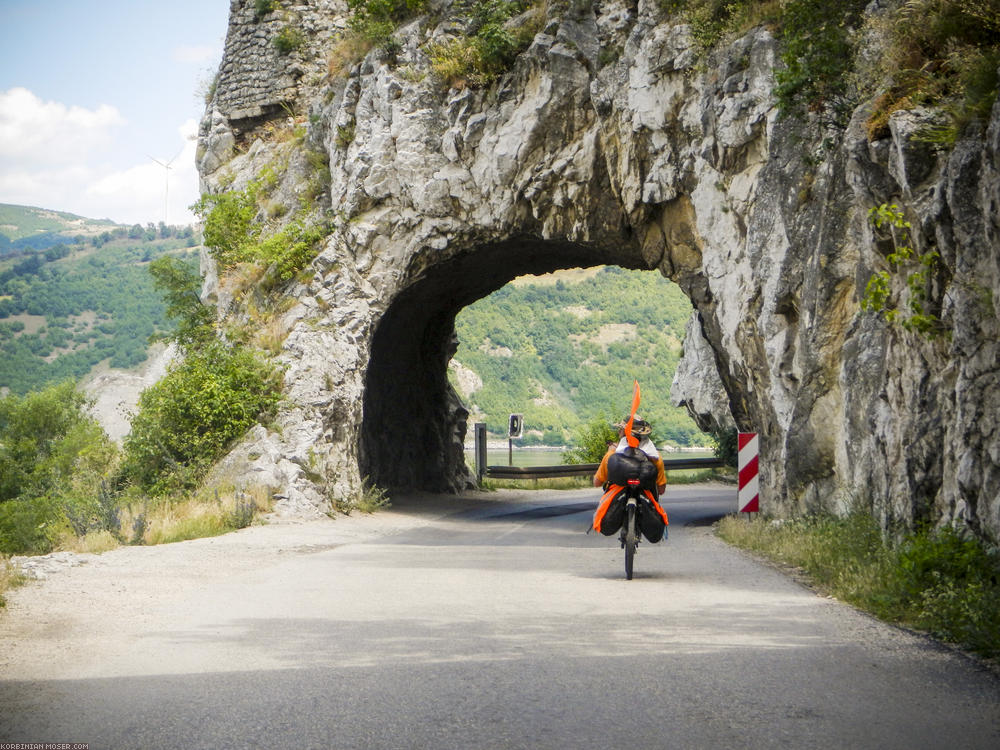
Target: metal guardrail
(584,470)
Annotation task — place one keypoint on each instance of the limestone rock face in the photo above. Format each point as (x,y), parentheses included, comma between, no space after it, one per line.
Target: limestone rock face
(610,142)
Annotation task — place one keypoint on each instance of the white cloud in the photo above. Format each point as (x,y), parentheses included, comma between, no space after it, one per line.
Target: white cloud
(197,54)
(36,132)
(60,157)
(152,190)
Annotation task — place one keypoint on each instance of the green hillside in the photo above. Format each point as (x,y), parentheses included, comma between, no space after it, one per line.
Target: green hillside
(29,228)
(565,349)
(67,308)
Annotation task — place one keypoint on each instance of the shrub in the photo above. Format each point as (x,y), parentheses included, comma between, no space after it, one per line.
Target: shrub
(290,250)
(180,286)
(725,446)
(376,20)
(288,39)
(818,55)
(492,44)
(34,454)
(189,418)
(261,8)
(592,442)
(711,20)
(233,237)
(917,314)
(228,223)
(29,526)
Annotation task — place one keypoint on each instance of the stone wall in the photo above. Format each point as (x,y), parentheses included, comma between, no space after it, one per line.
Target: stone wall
(654,159)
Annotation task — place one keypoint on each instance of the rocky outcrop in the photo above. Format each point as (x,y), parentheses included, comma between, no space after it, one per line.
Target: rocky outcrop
(610,141)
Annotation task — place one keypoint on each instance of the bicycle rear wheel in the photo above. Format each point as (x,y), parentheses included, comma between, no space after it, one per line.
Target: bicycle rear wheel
(631,540)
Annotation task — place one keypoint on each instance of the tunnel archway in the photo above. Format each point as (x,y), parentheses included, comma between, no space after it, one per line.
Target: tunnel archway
(414,424)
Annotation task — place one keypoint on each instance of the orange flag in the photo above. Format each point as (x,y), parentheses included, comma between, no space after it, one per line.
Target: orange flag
(632,441)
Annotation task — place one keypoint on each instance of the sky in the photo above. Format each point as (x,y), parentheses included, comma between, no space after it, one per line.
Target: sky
(93,91)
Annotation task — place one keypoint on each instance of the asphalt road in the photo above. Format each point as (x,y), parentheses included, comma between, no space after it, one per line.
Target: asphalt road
(490,623)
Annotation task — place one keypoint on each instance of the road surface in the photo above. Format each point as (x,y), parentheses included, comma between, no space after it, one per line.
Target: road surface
(487,622)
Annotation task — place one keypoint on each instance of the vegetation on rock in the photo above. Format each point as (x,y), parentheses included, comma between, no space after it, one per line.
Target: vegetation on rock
(497,31)
(188,419)
(938,53)
(917,316)
(234,234)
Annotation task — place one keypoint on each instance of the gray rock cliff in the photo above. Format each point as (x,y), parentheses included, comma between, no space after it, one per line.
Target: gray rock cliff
(654,159)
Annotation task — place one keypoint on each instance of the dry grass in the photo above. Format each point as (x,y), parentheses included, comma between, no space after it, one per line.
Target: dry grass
(93,542)
(9,578)
(209,512)
(349,49)
(271,335)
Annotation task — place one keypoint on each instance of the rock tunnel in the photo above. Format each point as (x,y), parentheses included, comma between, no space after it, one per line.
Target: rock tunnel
(758,217)
(414,424)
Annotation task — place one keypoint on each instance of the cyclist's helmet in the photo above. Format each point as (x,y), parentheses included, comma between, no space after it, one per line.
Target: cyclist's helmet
(640,427)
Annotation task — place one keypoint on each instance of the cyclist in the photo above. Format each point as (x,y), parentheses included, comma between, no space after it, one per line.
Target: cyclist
(641,430)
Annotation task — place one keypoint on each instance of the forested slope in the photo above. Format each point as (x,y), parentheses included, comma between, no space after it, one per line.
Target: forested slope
(70,306)
(565,349)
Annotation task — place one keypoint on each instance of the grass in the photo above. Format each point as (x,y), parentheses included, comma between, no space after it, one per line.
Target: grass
(93,542)
(935,581)
(9,578)
(370,499)
(207,513)
(554,483)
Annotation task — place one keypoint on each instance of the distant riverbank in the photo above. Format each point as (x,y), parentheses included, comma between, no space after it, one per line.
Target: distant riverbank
(547,455)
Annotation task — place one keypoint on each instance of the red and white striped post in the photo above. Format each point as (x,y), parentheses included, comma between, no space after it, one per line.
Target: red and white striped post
(748,492)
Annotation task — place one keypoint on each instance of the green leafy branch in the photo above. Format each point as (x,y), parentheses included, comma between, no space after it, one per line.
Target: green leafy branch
(918,268)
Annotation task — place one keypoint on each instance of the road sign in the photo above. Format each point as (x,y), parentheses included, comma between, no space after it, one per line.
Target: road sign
(515,427)
(748,493)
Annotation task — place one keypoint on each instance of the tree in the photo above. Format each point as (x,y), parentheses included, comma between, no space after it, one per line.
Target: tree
(179,284)
(32,430)
(592,442)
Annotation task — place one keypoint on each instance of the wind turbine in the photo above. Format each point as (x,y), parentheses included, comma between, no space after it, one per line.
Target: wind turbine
(166,178)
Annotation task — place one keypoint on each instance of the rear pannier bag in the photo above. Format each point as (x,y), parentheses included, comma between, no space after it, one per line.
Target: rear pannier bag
(650,523)
(614,517)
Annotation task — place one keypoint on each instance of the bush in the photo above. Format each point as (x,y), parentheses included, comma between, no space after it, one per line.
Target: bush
(261,8)
(180,285)
(30,526)
(288,39)
(188,419)
(491,46)
(376,20)
(233,237)
(228,224)
(725,446)
(592,442)
(40,434)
